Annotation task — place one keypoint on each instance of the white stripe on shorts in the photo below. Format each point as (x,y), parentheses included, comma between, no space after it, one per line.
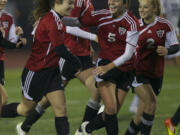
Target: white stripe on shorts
(135,83)
(27,84)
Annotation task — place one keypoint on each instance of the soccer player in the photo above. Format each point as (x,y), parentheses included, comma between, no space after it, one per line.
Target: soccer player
(11,33)
(81,48)
(172,122)
(41,76)
(117,35)
(149,64)
(170,9)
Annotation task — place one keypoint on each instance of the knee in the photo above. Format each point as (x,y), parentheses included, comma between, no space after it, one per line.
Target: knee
(60,111)
(111,109)
(23,110)
(152,104)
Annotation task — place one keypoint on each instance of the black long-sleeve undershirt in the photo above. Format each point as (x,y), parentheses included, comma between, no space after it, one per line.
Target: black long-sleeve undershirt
(173,49)
(5,43)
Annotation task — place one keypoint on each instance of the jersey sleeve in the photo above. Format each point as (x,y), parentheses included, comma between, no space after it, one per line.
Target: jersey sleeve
(171,37)
(91,18)
(12,34)
(133,32)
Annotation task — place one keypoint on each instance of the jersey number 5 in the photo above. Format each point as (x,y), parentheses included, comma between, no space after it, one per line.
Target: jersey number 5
(111,37)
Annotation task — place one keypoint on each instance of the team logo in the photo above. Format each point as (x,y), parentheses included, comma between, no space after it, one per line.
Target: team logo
(5,24)
(160,33)
(122,30)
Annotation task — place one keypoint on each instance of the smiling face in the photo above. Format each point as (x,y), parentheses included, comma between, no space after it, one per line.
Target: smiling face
(65,7)
(146,9)
(2,4)
(116,7)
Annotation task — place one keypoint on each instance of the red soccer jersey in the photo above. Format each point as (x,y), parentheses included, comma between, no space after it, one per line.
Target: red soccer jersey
(79,46)
(6,21)
(148,62)
(48,34)
(113,34)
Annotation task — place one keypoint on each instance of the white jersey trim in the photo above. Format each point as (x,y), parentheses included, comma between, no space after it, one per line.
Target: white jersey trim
(57,19)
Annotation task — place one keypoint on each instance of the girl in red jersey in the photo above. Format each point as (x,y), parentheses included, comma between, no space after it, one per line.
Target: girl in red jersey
(117,35)
(41,74)
(81,48)
(155,33)
(10,33)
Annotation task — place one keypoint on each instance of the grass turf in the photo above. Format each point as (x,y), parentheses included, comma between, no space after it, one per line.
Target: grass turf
(77,97)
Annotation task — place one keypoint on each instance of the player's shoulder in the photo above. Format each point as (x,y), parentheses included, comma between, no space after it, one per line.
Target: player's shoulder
(6,14)
(51,19)
(165,21)
(102,12)
(131,17)
(131,20)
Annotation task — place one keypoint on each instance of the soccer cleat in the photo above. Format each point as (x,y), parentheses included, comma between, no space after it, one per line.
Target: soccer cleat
(19,130)
(78,132)
(83,128)
(172,130)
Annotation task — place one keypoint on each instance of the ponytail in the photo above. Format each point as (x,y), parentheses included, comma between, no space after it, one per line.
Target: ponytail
(41,8)
(157,5)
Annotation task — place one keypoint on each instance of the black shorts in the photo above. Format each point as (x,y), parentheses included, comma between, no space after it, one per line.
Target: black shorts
(67,69)
(1,72)
(123,80)
(156,83)
(37,84)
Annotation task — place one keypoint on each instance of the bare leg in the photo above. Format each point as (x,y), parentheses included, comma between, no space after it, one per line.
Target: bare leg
(4,95)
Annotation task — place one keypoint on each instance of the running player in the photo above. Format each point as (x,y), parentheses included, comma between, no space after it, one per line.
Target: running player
(118,35)
(170,9)
(81,48)
(41,74)
(154,33)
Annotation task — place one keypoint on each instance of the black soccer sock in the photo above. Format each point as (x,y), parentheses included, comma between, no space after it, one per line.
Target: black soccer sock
(146,124)
(95,124)
(176,117)
(133,129)
(32,118)
(9,110)
(90,111)
(62,125)
(111,124)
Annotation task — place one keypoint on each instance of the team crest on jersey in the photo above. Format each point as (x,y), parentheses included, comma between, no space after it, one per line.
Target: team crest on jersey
(160,33)
(5,24)
(122,30)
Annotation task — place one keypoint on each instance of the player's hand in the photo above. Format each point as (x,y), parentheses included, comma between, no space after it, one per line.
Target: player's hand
(101,70)
(21,42)
(19,31)
(162,51)
(97,40)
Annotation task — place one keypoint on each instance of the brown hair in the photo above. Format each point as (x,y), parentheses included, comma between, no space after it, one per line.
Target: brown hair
(41,7)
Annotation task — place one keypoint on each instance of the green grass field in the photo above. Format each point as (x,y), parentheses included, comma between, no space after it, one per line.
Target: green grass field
(77,97)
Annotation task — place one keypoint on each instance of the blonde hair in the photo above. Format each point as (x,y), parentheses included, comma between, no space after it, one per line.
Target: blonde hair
(156,4)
